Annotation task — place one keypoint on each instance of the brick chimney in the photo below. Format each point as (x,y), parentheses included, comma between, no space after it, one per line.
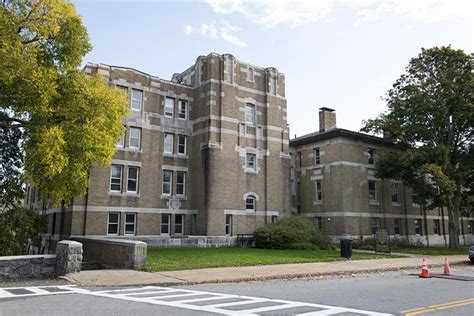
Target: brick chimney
(327,119)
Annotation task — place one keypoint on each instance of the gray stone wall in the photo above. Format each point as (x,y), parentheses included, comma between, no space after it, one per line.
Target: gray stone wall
(27,266)
(69,257)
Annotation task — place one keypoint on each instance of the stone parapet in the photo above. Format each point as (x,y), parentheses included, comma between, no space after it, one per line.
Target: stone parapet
(27,266)
(69,257)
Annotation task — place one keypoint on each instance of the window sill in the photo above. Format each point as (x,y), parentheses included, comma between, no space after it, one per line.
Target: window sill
(250,171)
(181,197)
(124,194)
(165,196)
(374,203)
(135,194)
(396,204)
(317,202)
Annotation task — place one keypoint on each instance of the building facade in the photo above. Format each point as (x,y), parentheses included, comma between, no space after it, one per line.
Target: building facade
(333,182)
(208,154)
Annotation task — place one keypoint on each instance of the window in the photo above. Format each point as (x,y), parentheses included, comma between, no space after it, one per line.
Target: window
(165,224)
(132,181)
(179,224)
(436,229)
(167,181)
(374,224)
(418,229)
(274,219)
(317,156)
(180,183)
(168,144)
(471,227)
(395,189)
(116,178)
(318,221)
(371,158)
(250,162)
(250,204)
(182,144)
(137,97)
(121,143)
(228,225)
(169,107)
(299,157)
(250,113)
(414,199)
(250,74)
(130,220)
(372,190)
(318,190)
(274,85)
(134,137)
(182,110)
(397,226)
(113,223)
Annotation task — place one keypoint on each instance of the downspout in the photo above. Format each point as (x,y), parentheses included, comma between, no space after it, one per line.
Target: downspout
(444,227)
(85,212)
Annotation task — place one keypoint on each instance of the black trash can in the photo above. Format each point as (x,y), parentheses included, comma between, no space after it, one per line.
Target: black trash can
(346,248)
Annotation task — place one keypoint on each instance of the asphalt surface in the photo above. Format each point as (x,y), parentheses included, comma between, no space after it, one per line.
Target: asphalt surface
(390,292)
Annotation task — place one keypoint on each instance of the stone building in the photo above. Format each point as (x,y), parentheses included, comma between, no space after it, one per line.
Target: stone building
(333,182)
(206,153)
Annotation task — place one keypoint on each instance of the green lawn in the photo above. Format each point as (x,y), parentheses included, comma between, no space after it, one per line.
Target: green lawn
(433,251)
(195,258)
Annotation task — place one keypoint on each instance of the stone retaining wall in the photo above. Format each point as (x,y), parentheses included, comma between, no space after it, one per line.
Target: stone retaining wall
(27,266)
(114,253)
(188,241)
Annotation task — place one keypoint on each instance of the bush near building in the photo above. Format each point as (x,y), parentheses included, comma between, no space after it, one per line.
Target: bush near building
(291,233)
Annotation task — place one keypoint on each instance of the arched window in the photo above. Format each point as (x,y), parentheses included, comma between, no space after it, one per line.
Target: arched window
(250,74)
(250,203)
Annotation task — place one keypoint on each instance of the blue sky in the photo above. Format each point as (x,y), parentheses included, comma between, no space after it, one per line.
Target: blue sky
(342,54)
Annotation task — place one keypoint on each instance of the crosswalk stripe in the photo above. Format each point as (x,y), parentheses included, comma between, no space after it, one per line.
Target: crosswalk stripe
(193,300)
(237,303)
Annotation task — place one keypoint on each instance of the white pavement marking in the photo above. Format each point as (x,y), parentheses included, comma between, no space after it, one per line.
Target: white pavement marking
(162,293)
(131,295)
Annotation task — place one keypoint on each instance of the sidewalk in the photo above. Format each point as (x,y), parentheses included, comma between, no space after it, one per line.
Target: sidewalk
(252,273)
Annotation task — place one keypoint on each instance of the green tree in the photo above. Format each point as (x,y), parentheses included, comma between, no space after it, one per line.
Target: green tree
(430,116)
(56,122)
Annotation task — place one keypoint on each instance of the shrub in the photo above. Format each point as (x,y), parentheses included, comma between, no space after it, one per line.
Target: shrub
(288,233)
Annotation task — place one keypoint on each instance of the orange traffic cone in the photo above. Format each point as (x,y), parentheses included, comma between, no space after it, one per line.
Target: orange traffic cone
(424,270)
(447,269)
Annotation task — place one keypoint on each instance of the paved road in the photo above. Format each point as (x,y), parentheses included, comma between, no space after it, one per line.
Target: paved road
(374,294)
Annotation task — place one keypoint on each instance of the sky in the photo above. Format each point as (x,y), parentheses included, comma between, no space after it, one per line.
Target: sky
(341,54)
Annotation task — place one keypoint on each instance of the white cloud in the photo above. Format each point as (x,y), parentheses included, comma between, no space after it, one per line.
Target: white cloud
(271,13)
(225,32)
(187,29)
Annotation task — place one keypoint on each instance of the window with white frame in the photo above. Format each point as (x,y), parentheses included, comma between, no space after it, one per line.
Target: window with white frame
(395,189)
(132,180)
(418,228)
(250,203)
(121,143)
(318,192)
(130,223)
(167,181)
(135,135)
(250,162)
(137,99)
(373,191)
(250,74)
(436,229)
(242,128)
(397,226)
(250,113)
(374,224)
(169,107)
(228,225)
(183,109)
(317,156)
(371,156)
(180,183)
(182,144)
(168,143)
(113,223)
(116,178)
(274,85)
(165,224)
(179,224)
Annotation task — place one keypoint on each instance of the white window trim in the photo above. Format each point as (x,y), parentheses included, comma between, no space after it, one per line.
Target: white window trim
(172,108)
(317,149)
(169,224)
(228,225)
(316,198)
(369,156)
(134,225)
(254,119)
(254,169)
(163,183)
(118,223)
(182,225)
(376,191)
(121,179)
(141,101)
(172,143)
(121,143)
(254,199)
(185,145)
(398,202)
(421,226)
(137,180)
(185,111)
(139,137)
(184,183)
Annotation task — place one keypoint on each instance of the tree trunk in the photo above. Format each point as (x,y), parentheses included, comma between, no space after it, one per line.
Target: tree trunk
(454,213)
